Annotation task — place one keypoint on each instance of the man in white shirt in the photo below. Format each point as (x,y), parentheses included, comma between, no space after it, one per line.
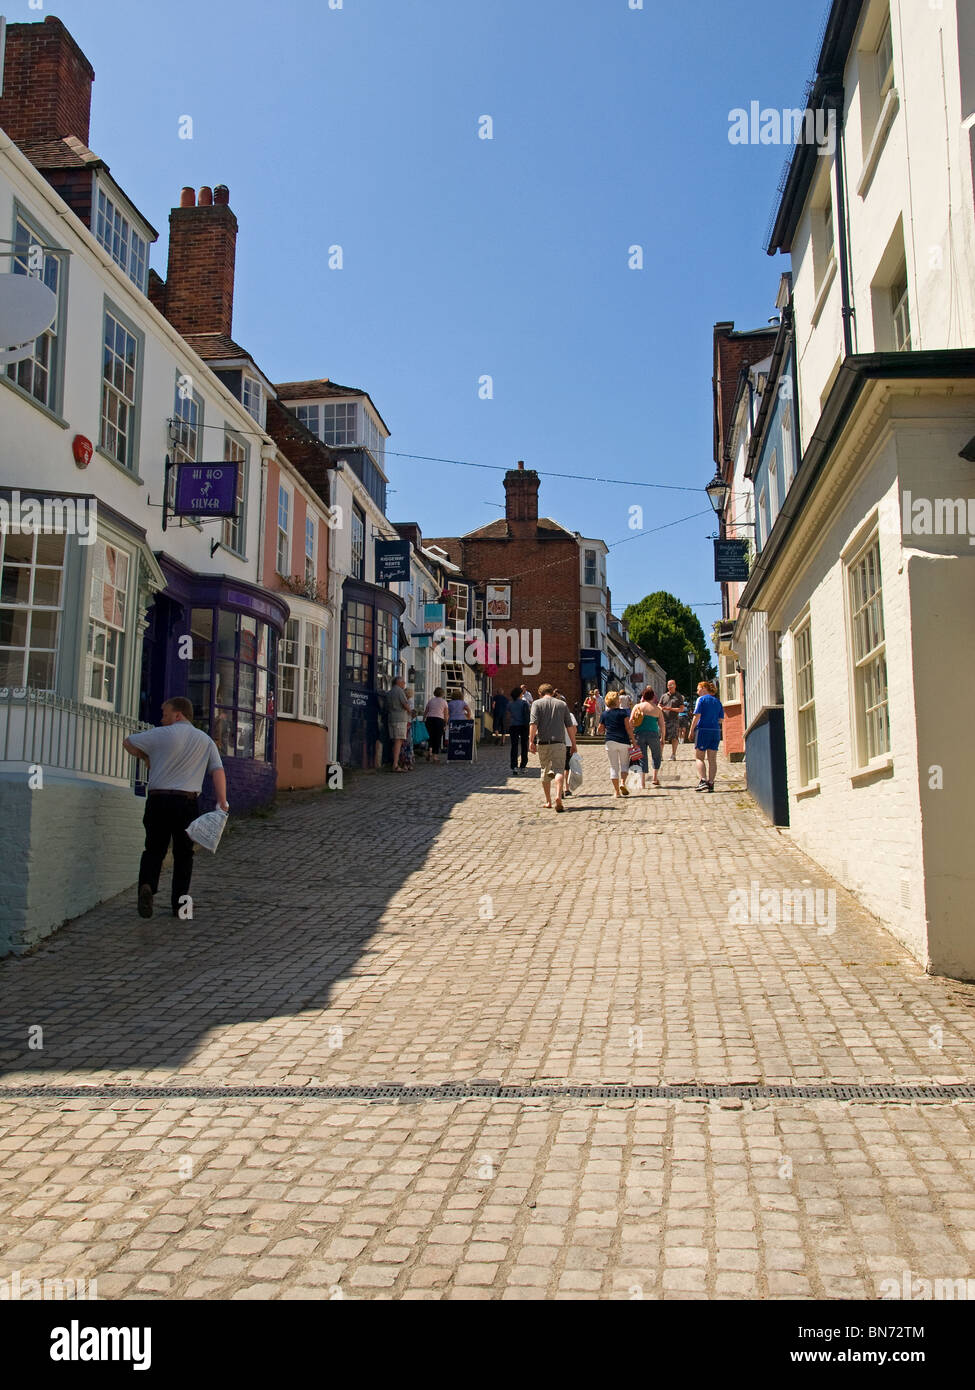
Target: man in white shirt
(179,756)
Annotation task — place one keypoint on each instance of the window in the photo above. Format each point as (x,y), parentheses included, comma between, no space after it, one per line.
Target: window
(358,642)
(763,526)
(120,367)
(309,550)
(338,424)
(829,235)
(311,417)
(459,596)
(786,450)
(106,624)
(592,572)
(900,312)
(290,664)
(372,437)
(773,488)
(252,398)
(869,656)
(728,680)
(199,688)
(38,374)
(233,526)
(358,531)
(128,250)
(283,558)
(31,575)
(187,426)
(387,649)
(244,687)
(592,629)
(805,705)
(313,684)
(885,61)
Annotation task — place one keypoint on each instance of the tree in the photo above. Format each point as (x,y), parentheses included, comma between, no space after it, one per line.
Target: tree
(669,631)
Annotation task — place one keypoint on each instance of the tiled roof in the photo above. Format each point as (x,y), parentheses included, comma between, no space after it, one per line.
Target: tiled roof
(498,530)
(66,153)
(320,390)
(215,347)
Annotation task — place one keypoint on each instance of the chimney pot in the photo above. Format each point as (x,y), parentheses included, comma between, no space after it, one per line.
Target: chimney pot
(521,463)
(221,195)
(187,198)
(205,200)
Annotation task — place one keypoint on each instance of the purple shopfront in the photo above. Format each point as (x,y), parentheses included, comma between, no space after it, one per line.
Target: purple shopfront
(215,640)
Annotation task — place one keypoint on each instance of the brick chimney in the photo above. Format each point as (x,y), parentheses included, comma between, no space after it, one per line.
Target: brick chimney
(521,500)
(46,84)
(199,291)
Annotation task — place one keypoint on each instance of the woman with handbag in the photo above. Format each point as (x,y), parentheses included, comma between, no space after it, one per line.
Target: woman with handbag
(648,720)
(618,729)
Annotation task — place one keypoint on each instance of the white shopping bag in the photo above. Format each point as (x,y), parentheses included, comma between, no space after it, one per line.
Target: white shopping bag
(633,781)
(575,772)
(207,829)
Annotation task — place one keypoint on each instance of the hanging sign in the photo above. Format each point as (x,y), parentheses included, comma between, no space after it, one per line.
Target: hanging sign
(434,616)
(731,561)
(392,562)
(206,489)
(498,602)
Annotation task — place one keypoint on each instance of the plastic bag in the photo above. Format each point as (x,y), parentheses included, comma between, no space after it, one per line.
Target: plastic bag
(575,772)
(633,781)
(207,829)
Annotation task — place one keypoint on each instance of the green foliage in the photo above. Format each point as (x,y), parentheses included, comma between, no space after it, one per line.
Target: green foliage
(669,631)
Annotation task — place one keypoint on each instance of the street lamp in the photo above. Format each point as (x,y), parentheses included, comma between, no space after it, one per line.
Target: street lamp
(717,491)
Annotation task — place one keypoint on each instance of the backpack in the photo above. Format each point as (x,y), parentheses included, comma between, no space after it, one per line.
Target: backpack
(637,716)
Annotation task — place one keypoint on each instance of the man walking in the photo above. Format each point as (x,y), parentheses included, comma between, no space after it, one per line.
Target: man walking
(551,720)
(518,716)
(672,704)
(179,756)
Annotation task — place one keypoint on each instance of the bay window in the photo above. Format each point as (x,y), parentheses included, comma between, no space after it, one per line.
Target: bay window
(31,590)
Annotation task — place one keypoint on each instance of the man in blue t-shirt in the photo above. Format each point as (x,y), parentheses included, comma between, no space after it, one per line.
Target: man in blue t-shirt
(706,729)
(518,718)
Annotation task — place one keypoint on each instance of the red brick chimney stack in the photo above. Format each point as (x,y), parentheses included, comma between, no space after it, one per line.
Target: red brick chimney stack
(46,84)
(521,500)
(199,293)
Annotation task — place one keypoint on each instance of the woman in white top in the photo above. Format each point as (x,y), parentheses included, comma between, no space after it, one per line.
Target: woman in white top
(435,717)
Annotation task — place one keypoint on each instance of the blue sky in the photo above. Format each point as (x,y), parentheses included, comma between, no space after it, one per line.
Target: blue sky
(466,257)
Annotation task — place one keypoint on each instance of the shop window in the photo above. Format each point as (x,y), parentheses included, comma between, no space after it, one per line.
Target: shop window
(290,666)
(358,643)
(244,684)
(201,665)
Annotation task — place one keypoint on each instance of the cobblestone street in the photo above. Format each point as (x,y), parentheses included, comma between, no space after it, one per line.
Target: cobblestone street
(446,928)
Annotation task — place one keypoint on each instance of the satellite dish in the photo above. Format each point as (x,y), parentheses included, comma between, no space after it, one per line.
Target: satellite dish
(27,309)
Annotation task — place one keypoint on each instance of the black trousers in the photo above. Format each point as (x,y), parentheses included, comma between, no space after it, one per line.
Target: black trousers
(166,818)
(435,728)
(519,735)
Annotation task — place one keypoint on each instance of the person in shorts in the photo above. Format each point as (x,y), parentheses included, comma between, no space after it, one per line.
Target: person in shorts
(550,721)
(674,710)
(398,713)
(706,729)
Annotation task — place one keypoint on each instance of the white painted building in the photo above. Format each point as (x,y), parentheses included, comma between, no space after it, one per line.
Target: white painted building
(867,573)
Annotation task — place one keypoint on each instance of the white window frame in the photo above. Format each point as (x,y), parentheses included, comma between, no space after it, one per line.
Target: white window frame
(900,309)
(762,528)
(594,582)
(311,417)
(282,553)
(357,534)
(807,733)
(126,396)
(38,264)
(30,607)
(314,650)
(188,422)
(311,549)
(252,397)
(868,663)
(773,488)
(884,55)
(342,436)
(111,629)
(788,472)
(233,529)
(289,660)
(116,234)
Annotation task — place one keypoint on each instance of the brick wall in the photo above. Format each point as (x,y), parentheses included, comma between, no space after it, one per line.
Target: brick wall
(199,293)
(46,83)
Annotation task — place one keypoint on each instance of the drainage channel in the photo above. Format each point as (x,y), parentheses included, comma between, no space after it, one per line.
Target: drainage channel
(473,1090)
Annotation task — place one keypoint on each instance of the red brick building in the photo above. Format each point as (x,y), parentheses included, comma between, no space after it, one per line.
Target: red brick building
(539,559)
